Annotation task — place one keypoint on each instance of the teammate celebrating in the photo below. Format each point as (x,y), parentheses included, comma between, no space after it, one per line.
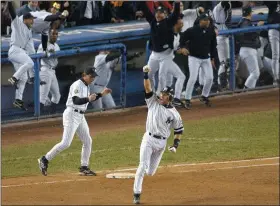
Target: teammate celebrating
(161,44)
(162,116)
(47,73)
(21,38)
(222,14)
(74,121)
(202,42)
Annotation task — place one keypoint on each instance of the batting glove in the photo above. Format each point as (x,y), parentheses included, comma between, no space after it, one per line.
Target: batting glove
(172,149)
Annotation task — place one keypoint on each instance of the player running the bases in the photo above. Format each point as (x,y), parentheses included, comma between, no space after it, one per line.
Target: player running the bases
(75,121)
(162,116)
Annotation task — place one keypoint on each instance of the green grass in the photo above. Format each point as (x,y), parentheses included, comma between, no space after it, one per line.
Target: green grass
(251,135)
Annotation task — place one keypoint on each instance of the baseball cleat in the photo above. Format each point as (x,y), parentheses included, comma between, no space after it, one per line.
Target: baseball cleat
(136,199)
(205,100)
(19,104)
(13,82)
(188,104)
(199,89)
(177,103)
(85,171)
(43,165)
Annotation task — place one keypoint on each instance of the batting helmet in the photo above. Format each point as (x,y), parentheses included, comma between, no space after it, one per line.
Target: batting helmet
(169,91)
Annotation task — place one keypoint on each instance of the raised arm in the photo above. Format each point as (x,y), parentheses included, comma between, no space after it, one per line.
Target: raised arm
(112,56)
(12,10)
(172,19)
(147,13)
(147,83)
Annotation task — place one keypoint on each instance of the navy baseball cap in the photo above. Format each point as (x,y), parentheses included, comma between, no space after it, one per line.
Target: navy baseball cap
(28,16)
(161,9)
(204,16)
(91,71)
(246,10)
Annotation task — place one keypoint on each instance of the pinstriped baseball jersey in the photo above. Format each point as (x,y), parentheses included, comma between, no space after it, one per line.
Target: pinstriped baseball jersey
(161,119)
(21,34)
(189,18)
(49,62)
(104,69)
(79,89)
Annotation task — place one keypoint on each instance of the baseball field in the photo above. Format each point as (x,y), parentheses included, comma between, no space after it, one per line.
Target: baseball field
(229,155)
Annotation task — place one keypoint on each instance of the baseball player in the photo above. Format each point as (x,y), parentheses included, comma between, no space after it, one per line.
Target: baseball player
(74,121)
(190,15)
(202,42)
(267,59)
(177,51)
(47,73)
(249,43)
(21,38)
(222,14)
(162,116)
(105,63)
(274,36)
(161,45)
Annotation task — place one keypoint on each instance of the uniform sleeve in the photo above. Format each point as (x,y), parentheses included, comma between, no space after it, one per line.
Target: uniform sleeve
(76,91)
(190,13)
(219,8)
(178,124)
(151,99)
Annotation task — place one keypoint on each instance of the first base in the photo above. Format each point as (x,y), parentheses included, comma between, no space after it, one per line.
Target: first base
(122,175)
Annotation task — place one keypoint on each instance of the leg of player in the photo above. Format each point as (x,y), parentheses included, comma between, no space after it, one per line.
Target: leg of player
(83,133)
(206,66)
(267,63)
(19,92)
(162,73)
(222,47)
(194,65)
(169,79)
(145,156)
(174,69)
(71,121)
(45,75)
(54,90)
(19,56)
(274,38)
(108,101)
(249,57)
(154,66)
(155,160)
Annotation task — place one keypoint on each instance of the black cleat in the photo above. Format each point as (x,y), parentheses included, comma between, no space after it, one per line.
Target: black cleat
(19,104)
(199,90)
(85,171)
(188,104)
(178,103)
(43,165)
(205,100)
(136,199)
(13,82)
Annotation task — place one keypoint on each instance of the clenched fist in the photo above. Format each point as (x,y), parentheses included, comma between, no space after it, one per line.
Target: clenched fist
(172,149)
(92,97)
(146,69)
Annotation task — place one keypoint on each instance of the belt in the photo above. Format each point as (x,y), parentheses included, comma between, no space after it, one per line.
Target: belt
(17,46)
(79,111)
(157,136)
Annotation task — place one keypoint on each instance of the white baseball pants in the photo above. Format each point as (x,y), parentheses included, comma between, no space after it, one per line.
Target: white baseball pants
(250,57)
(206,76)
(223,53)
(151,151)
(264,42)
(274,39)
(73,122)
(19,56)
(106,101)
(267,65)
(48,75)
(180,79)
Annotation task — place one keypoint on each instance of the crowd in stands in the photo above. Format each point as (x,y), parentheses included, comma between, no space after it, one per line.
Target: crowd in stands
(97,12)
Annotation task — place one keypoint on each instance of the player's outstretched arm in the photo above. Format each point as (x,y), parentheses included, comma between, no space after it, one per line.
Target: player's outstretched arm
(147,83)
(173,148)
(12,10)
